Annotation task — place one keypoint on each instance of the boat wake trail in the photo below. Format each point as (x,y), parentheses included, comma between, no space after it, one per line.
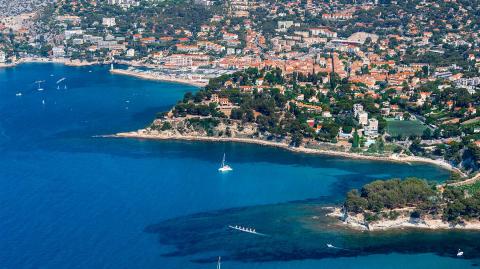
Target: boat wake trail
(339,248)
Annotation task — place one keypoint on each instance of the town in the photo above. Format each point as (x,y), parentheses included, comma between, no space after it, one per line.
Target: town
(372,77)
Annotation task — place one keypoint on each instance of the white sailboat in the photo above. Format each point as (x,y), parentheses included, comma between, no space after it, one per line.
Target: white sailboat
(459,253)
(219,264)
(224,167)
(39,83)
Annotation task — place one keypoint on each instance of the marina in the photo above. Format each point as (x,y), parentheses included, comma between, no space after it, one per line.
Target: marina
(193,76)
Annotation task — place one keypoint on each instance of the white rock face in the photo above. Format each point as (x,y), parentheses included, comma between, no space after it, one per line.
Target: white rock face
(357,221)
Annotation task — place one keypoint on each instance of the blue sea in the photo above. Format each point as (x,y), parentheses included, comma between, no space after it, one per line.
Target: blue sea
(70,199)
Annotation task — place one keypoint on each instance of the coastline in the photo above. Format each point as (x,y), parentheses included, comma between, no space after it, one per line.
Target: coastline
(156,77)
(67,62)
(144,134)
(357,222)
(78,63)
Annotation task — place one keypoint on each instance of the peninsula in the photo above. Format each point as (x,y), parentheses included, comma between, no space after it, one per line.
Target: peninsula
(410,203)
(301,114)
(308,76)
(313,77)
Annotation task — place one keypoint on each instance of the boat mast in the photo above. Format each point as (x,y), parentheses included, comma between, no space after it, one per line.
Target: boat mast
(223,161)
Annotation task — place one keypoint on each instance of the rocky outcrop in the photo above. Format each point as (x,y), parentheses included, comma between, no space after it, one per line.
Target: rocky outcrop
(357,221)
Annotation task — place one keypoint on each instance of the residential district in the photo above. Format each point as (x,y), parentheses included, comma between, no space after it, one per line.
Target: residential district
(372,77)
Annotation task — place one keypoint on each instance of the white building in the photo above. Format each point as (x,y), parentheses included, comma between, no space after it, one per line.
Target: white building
(73,32)
(77,41)
(284,25)
(357,108)
(204,2)
(58,52)
(468,83)
(363,118)
(322,32)
(371,129)
(109,22)
(130,53)
(326,114)
(3,57)
(124,3)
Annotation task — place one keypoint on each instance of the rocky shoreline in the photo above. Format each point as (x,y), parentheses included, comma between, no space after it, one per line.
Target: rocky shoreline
(358,222)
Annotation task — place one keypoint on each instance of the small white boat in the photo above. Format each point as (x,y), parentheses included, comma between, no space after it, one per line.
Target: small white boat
(43,102)
(18,94)
(330,246)
(39,85)
(224,167)
(58,87)
(459,253)
(219,264)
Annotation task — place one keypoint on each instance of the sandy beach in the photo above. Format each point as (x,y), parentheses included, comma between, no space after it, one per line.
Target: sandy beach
(144,134)
(67,62)
(151,76)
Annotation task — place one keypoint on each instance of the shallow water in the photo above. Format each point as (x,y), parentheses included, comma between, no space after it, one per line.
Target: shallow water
(71,200)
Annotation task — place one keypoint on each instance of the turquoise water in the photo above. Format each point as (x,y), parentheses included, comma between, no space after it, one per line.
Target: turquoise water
(71,200)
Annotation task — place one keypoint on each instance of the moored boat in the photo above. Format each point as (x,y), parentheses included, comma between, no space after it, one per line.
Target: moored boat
(224,167)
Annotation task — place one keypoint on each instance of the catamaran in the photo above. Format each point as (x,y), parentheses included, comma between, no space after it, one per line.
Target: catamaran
(224,167)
